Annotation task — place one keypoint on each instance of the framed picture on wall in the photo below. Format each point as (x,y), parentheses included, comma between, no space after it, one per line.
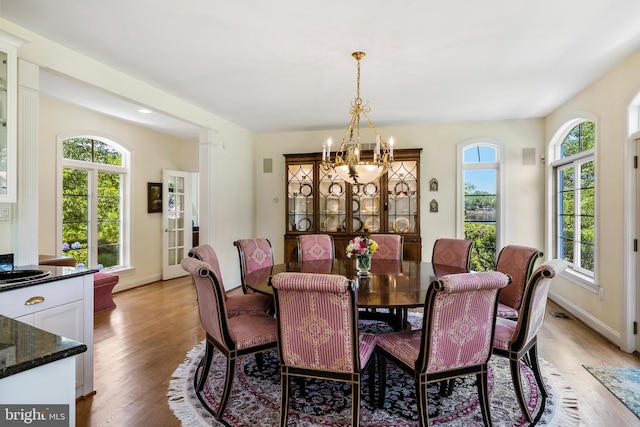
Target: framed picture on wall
(154,197)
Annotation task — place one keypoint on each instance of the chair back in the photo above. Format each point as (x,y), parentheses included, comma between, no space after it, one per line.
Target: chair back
(389,246)
(315,246)
(206,254)
(459,321)
(211,301)
(534,303)
(317,321)
(518,262)
(254,254)
(453,252)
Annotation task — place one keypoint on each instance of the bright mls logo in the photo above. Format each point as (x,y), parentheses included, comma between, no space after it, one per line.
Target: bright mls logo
(34,415)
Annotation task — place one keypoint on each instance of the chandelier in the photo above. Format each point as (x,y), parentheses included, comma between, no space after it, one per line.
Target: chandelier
(347,162)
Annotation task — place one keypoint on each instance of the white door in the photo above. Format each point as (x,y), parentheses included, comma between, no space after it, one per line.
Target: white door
(176,222)
(637,196)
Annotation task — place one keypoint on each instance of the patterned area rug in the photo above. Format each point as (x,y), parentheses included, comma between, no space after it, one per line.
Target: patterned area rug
(623,383)
(255,399)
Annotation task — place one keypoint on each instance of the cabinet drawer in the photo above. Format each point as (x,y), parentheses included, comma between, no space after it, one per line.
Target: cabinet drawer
(12,303)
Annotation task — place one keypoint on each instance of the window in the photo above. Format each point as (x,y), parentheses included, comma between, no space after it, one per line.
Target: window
(93,181)
(480,169)
(574,195)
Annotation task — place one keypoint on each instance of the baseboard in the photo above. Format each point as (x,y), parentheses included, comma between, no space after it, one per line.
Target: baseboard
(585,317)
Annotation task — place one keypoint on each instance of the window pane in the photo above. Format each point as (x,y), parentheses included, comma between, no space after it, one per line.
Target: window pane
(566,203)
(75,218)
(104,153)
(566,250)
(480,154)
(566,179)
(77,149)
(586,260)
(480,201)
(587,228)
(566,229)
(580,138)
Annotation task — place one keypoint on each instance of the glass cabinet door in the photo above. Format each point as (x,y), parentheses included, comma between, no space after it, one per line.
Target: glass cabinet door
(300,193)
(8,97)
(333,211)
(366,207)
(403,197)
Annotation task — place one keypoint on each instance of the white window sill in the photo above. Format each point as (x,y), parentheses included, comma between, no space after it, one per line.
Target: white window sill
(581,280)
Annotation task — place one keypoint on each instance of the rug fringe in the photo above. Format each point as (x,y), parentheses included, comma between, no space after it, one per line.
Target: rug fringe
(178,400)
(567,412)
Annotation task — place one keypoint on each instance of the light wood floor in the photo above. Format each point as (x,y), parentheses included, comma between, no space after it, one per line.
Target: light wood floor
(139,344)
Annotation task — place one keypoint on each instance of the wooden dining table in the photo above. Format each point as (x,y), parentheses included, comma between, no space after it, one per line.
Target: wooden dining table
(391,284)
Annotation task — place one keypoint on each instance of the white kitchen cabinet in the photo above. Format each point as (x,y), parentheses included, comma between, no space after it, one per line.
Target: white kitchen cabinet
(63,307)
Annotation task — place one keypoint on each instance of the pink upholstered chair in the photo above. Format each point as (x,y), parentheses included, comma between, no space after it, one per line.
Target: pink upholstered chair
(389,246)
(234,337)
(236,304)
(455,340)
(453,252)
(315,246)
(254,254)
(318,335)
(518,262)
(516,340)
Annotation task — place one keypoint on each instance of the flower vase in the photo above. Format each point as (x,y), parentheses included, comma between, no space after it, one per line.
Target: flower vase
(363,264)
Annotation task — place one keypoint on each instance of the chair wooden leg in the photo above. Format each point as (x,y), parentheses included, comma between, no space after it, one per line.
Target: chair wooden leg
(371,370)
(259,361)
(517,387)
(355,403)
(382,380)
(535,367)
(228,384)
(205,365)
(285,384)
(422,401)
(483,396)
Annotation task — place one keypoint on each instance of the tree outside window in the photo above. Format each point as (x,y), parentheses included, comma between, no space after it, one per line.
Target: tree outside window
(92,200)
(480,169)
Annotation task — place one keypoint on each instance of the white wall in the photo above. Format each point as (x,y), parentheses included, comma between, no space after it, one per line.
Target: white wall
(524,187)
(151,152)
(608,100)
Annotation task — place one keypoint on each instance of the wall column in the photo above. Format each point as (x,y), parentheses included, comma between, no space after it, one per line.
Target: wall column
(26,214)
(207,168)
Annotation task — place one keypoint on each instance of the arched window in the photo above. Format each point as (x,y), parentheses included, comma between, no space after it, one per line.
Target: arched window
(481,197)
(94,173)
(574,197)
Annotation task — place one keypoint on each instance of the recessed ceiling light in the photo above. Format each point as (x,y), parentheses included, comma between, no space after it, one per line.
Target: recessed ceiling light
(144,111)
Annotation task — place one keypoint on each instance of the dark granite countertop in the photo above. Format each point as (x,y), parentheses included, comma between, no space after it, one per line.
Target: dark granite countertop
(24,347)
(56,273)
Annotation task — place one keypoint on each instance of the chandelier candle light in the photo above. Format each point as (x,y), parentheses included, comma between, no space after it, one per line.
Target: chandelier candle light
(363,247)
(347,162)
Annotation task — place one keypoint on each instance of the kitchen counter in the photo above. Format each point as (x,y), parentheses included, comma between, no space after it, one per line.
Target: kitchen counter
(56,274)
(24,347)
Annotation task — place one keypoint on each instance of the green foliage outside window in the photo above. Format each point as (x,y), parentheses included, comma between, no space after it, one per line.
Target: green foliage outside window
(480,227)
(76,203)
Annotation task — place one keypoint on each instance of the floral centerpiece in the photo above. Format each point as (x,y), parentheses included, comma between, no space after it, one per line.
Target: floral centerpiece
(363,247)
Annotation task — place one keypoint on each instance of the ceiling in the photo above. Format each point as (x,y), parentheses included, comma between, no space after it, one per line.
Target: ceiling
(285,65)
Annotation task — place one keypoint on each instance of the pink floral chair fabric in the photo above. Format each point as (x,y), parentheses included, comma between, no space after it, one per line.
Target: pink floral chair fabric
(455,340)
(518,262)
(315,246)
(516,340)
(234,337)
(452,252)
(318,334)
(254,254)
(389,246)
(236,304)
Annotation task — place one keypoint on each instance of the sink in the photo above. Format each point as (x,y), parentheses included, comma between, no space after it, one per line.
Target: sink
(20,276)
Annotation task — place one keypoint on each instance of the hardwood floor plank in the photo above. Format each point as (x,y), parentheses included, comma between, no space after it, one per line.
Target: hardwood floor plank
(140,343)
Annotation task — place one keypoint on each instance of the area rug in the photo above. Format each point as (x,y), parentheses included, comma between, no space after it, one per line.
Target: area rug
(623,383)
(255,399)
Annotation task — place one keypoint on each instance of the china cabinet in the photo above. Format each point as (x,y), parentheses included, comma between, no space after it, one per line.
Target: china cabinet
(319,202)
(8,97)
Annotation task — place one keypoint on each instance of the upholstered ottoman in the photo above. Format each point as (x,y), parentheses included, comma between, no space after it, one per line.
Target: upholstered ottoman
(103,284)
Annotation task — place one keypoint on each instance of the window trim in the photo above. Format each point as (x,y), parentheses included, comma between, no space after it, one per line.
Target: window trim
(501,201)
(572,274)
(125,169)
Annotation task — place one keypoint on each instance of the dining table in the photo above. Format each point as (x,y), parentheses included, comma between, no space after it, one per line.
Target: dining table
(389,289)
